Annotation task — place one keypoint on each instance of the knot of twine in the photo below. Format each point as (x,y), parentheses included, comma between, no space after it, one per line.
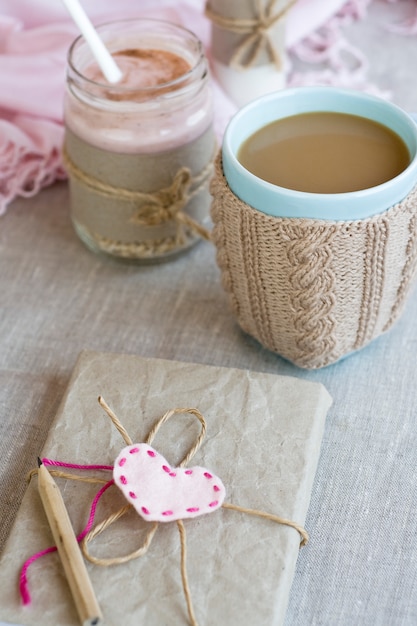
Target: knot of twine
(153,208)
(91,532)
(255,31)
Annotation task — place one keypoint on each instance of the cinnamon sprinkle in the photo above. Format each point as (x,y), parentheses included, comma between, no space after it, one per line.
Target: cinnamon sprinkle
(147,73)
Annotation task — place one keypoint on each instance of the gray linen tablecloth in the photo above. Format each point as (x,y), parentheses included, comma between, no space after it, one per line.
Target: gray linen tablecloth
(57,299)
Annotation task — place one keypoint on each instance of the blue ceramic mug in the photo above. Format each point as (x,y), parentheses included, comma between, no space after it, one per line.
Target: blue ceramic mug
(282,202)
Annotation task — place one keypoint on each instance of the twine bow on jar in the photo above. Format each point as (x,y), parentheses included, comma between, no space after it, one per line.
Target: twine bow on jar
(156,207)
(169,203)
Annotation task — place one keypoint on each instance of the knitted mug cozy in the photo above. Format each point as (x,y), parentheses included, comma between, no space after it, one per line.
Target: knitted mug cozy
(313,290)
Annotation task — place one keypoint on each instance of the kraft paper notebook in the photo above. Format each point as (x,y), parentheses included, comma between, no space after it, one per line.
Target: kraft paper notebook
(263,441)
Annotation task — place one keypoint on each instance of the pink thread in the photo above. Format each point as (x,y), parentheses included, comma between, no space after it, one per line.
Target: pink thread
(216,488)
(75,465)
(151,453)
(123,480)
(167,513)
(133,450)
(208,475)
(172,474)
(145,510)
(132,495)
(23,581)
(122,461)
(166,469)
(215,503)
(93,508)
(188,472)
(193,509)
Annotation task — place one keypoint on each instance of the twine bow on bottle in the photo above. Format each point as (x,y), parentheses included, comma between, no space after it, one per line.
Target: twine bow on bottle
(256,33)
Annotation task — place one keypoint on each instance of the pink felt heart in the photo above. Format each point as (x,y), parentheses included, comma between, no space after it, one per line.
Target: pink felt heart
(162,493)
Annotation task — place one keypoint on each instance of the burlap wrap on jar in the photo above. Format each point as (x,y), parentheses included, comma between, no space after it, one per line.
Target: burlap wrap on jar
(313,290)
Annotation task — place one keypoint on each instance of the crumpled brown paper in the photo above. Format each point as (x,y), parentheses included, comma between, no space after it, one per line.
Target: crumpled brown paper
(263,440)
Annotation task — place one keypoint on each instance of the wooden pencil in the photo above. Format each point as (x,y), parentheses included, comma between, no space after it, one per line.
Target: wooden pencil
(68,549)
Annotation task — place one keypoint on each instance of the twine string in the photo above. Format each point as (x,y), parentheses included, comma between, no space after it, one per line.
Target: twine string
(194,449)
(116,422)
(60,474)
(154,208)
(90,532)
(256,33)
(184,575)
(272,518)
(97,530)
(151,533)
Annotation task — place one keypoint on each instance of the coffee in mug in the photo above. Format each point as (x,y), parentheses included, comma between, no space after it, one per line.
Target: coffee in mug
(325,152)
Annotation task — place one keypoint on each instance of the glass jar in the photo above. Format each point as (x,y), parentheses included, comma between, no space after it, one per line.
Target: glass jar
(139,158)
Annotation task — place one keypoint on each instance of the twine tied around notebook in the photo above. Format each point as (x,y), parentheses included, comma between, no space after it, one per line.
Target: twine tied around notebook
(90,531)
(157,207)
(256,33)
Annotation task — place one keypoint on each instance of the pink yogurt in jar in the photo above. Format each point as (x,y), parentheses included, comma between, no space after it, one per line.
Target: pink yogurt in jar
(139,153)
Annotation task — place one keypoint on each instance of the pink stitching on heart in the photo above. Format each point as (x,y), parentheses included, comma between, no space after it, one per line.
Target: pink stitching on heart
(133,450)
(122,461)
(161,493)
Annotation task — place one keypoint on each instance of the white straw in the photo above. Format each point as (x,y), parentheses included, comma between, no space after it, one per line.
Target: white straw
(99,50)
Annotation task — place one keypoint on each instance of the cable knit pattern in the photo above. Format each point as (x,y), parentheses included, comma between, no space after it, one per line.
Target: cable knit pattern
(373,278)
(409,271)
(311,279)
(313,291)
